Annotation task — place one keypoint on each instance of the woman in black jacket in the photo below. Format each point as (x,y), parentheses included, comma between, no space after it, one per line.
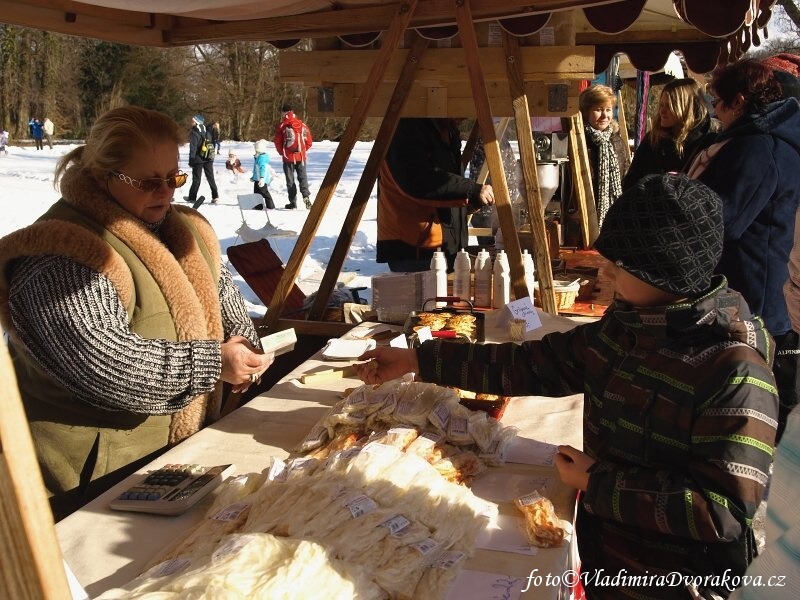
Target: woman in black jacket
(682,128)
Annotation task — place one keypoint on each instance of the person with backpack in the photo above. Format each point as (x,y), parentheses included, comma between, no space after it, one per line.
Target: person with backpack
(292,140)
(201,160)
(261,173)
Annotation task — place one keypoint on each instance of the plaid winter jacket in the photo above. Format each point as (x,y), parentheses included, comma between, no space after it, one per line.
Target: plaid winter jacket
(680,413)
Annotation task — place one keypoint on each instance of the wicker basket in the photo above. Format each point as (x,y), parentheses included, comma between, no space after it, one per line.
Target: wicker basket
(565,291)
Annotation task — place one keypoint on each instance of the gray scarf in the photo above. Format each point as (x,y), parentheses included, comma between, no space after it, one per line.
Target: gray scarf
(608,184)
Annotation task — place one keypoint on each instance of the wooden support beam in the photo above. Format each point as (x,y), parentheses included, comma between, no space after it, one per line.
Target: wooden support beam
(469,147)
(357,19)
(459,99)
(582,180)
(439,66)
(32,566)
(338,164)
(541,255)
(499,132)
(368,177)
(469,41)
(623,126)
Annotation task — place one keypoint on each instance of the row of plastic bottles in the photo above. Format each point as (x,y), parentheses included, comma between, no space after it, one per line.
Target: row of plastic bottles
(492,279)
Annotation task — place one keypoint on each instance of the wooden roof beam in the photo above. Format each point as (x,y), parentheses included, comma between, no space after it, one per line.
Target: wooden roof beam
(360,20)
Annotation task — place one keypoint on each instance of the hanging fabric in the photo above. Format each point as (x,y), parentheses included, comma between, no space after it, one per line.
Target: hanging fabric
(642,93)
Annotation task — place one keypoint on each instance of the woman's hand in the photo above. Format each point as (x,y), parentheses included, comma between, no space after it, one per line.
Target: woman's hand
(573,467)
(386,363)
(242,364)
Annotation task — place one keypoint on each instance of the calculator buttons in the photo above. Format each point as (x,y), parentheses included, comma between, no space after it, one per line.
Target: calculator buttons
(172,489)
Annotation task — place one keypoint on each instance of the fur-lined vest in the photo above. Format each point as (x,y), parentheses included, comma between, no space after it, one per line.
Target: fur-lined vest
(169,287)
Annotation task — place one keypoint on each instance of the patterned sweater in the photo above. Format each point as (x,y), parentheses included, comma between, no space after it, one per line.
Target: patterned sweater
(680,414)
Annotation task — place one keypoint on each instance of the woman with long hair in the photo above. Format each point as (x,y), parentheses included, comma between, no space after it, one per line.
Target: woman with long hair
(682,128)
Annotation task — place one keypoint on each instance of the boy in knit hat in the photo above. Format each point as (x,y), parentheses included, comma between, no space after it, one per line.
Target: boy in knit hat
(680,403)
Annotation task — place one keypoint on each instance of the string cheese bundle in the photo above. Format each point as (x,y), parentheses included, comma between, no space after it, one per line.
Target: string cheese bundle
(226,515)
(541,522)
(255,567)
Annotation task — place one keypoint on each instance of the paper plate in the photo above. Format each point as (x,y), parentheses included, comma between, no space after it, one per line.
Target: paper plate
(338,349)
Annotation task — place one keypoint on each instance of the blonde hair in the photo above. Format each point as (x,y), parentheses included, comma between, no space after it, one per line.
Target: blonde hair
(596,95)
(684,100)
(116,136)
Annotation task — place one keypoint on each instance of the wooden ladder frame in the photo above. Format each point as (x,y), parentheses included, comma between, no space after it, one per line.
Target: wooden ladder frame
(32,566)
(391,40)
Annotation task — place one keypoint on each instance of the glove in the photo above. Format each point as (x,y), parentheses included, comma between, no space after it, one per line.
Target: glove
(260,183)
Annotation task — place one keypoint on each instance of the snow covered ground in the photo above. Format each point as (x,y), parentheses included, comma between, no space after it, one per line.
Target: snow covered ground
(26,191)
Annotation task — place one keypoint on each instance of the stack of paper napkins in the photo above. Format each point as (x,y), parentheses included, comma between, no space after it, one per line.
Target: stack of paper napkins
(394,295)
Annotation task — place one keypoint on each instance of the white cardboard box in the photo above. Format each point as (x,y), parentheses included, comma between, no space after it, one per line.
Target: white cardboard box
(398,293)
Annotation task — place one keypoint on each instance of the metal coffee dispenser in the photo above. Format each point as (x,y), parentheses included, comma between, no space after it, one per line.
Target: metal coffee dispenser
(552,156)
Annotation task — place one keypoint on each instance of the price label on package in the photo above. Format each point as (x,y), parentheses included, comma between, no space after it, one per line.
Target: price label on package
(525,310)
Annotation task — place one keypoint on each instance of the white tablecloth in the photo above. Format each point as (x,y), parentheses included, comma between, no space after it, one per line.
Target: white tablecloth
(106,549)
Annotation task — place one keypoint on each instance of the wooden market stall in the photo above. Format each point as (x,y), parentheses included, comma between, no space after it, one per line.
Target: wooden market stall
(389,58)
(480,58)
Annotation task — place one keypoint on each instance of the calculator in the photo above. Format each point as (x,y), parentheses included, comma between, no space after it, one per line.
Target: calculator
(172,489)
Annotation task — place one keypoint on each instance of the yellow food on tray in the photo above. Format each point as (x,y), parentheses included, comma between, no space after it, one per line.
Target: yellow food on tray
(461,323)
(541,523)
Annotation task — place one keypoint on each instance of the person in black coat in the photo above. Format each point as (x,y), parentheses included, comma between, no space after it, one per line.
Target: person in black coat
(423,197)
(754,165)
(199,164)
(681,129)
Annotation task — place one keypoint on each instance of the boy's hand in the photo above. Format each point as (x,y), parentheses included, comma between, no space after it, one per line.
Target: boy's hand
(385,364)
(573,467)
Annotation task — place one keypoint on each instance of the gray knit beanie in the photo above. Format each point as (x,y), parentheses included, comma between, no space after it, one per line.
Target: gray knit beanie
(666,231)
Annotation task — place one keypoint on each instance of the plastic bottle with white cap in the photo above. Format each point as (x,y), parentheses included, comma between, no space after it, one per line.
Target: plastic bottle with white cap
(530,271)
(502,280)
(483,279)
(462,276)
(438,277)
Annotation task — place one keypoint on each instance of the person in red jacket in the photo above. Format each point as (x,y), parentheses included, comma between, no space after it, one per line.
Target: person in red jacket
(292,140)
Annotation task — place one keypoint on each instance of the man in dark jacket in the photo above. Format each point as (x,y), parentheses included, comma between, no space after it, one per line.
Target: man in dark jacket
(423,198)
(200,164)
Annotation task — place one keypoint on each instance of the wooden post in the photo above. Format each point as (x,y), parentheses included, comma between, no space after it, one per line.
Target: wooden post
(368,177)
(469,147)
(469,40)
(582,180)
(391,40)
(541,255)
(32,566)
(499,132)
(623,126)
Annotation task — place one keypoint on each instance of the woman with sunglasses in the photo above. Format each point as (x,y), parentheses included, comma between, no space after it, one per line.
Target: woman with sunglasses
(122,321)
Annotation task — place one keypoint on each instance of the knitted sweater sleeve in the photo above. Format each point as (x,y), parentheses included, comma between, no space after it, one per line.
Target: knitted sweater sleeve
(553,366)
(71,321)
(235,317)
